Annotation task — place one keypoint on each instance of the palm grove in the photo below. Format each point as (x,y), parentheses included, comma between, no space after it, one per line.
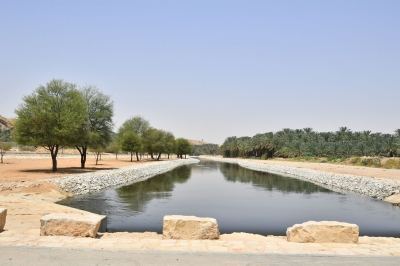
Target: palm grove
(62,115)
(289,143)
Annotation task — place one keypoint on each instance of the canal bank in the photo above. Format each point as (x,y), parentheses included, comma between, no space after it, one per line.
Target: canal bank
(91,182)
(380,187)
(25,210)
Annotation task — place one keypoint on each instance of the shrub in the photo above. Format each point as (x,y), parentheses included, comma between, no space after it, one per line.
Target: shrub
(377,162)
(264,157)
(355,160)
(366,161)
(392,163)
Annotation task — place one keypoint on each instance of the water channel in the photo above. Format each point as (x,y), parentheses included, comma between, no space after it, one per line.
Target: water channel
(241,200)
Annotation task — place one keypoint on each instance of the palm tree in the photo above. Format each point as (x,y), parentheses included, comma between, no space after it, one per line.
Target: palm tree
(376,147)
(390,144)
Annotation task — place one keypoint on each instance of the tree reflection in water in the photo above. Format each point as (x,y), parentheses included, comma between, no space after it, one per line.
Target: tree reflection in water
(267,181)
(137,195)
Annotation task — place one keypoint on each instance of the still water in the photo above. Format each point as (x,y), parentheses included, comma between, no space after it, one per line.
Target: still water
(241,200)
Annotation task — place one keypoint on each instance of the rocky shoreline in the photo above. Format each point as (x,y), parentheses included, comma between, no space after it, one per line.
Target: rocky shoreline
(374,187)
(91,182)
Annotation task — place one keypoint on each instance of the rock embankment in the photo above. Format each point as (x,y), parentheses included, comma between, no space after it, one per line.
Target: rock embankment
(374,187)
(95,181)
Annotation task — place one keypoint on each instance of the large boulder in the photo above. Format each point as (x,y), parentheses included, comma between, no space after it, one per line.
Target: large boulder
(3,215)
(190,227)
(67,224)
(323,232)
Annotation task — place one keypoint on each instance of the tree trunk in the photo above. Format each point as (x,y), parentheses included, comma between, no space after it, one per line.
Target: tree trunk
(185,156)
(116,155)
(151,155)
(131,156)
(82,150)
(53,151)
(97,157)
(2,154)
(137,156)
(168,156)
(159,155)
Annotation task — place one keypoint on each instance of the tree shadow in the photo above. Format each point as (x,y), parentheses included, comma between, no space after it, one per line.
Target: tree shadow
(68,170)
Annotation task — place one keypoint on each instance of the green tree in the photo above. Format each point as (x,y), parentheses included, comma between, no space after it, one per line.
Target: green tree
(114,147)
(4,146)
(153,142)
(52,116)
(183,147)
(97,130)
(170,144)
(131,142)
(137,125)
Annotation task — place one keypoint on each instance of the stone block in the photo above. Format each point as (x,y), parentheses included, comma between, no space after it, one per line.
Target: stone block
(190,227)
(3,215)
(323,232)
(67,224)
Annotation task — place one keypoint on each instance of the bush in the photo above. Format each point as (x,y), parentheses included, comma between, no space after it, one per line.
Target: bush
(392,163)
(355,160)
(377,162)
(366,162)
(264,157)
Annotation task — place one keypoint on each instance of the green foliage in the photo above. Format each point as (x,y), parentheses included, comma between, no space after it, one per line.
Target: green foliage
(131,142)
(183,147)
(137,125)
(205,149)
(96,132)
(52,116)
(4,146)
(289,143)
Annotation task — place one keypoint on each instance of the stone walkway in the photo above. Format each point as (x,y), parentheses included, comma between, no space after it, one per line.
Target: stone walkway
(236,242)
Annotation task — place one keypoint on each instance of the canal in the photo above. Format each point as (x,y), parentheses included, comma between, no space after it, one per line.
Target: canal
(241,200)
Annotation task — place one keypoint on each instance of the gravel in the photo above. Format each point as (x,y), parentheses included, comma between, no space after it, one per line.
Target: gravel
(91,182)
(374,187)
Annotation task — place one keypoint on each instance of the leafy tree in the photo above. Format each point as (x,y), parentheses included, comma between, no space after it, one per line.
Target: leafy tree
(4,146)
(183,147)
(52,116)
(97,153)
(131,142)
(170,144)
(115,147)
(96,131)
(154,142)
(137,125)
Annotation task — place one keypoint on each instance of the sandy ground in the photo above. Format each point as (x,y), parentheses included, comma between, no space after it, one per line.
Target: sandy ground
(27,199)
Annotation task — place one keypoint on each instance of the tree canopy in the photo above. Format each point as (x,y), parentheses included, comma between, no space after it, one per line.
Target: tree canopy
(183,147)
(52,116)
(96,132)
(131,142)
(306,142)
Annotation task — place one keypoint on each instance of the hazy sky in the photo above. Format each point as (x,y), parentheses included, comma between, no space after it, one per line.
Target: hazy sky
(213,69)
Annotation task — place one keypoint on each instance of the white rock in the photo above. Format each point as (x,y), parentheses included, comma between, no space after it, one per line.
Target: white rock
(323,232)
(190,227)
(67,224)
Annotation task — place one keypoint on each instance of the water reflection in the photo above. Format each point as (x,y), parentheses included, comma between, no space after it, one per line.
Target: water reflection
(137,195)
(267,181)
(241,200)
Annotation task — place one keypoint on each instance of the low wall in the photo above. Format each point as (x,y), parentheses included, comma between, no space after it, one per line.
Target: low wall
(374,187)
(91,182)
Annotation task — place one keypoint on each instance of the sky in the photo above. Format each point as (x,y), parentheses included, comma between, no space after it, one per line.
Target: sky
(213,69)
